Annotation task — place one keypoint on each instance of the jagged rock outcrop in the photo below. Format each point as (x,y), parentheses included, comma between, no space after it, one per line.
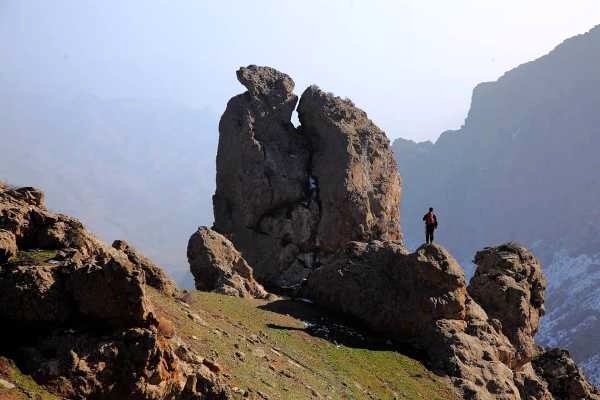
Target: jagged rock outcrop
(509,285)
(77,316)
(8,245)
(390,290)
(155,276)
(565,380)
(218,267)
(359,186)
(279,189)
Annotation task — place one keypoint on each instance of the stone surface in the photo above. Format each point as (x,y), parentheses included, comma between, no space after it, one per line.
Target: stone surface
(218,267)
(285,196)
(81,323)
(111,292)
(8,245)
(352,163)
(390,290)
(154,275)
(509,285)
(261,202)
(565,380)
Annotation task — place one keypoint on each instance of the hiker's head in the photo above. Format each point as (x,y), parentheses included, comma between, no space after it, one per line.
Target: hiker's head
(430,209)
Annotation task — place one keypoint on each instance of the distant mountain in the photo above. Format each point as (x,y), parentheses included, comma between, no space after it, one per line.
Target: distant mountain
(525,166)
(142,170)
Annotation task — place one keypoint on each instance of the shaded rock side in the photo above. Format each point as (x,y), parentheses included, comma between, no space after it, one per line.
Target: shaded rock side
(565,380)
(261,202)
(155,276)
(509,285)
(390,290)
(218,267)
(352,163)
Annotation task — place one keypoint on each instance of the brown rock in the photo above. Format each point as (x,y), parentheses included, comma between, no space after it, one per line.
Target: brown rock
(565,380)
(112,292)
(286,197)
(155,276)
(509,285)
(8,245)
(217,266)
(262,171)
(531,386)
(390,290)
(33,296)
(353,165)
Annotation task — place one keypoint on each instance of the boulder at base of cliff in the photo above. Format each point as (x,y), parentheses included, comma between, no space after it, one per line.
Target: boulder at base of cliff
(565,380)
(218,267)
(155,276)
(509,285)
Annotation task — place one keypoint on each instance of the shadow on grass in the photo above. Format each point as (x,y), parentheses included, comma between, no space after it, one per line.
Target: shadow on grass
(337,329)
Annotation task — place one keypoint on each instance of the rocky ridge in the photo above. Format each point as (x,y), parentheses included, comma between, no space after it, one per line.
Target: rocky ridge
(335,224)
(80,320)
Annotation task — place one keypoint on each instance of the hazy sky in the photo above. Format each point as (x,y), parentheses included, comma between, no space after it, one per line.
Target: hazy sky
(410,64)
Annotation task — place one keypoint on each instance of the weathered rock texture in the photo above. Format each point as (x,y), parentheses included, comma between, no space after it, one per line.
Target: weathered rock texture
(509,285)
(389,289)
(218,267)
(285,196)
(8,246)
(565,380)
(81,323)
(421,299)
(155,276)
(353,165)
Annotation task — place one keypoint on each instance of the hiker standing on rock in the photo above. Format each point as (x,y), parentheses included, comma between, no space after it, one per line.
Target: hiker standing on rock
(431,224)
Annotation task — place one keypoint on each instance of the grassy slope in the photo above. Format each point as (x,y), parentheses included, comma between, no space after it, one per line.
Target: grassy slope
(281,360)
(17,386)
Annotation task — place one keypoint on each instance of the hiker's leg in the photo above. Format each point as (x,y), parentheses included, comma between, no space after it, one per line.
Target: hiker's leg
(431,235)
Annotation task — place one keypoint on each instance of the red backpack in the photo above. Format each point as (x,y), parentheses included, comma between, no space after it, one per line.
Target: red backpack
(430,220)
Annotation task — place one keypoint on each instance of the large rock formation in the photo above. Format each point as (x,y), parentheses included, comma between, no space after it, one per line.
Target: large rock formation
(284,195)
(354,169)
(509,285)
(218,267)
(262,198)
(75,313)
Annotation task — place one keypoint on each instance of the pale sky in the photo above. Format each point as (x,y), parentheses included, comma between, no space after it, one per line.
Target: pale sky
(410,64)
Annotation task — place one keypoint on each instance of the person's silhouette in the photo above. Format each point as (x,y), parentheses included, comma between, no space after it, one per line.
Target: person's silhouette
(431,224)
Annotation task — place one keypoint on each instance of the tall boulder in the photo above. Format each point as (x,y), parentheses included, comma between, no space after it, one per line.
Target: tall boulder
(509,285)
(218,267)
(261,200)
(353,166)
(285,196)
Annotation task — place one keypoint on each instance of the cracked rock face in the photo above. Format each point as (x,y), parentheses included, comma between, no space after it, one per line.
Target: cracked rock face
(286,196)
(359,184)
(509,285)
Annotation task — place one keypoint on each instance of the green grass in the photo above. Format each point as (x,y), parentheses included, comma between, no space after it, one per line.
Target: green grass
(25,387)
(283,361)
(33,257)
